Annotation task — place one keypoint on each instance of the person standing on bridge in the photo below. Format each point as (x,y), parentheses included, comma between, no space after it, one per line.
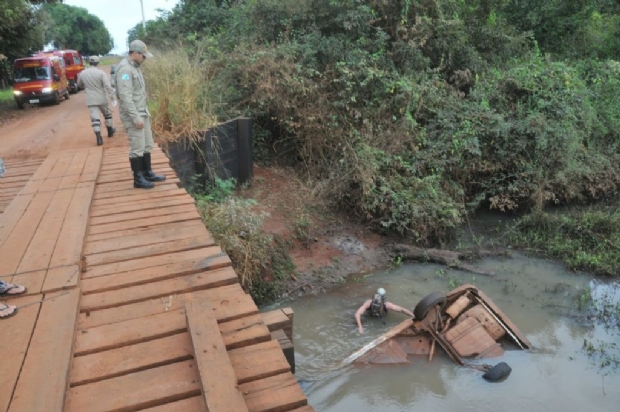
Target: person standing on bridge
(378,307)
(135,115)
(97,84)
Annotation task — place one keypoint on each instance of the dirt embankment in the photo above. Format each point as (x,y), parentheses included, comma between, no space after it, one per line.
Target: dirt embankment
(325,248)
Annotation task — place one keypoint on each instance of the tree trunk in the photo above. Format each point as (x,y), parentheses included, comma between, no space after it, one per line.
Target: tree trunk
(449,258)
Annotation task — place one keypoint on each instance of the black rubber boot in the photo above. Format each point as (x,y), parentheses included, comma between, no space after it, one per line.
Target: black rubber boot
(148,171)
(99,139)
(111,131)
(139,182)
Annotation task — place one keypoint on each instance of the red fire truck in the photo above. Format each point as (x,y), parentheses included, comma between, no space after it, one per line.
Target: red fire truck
(73,62)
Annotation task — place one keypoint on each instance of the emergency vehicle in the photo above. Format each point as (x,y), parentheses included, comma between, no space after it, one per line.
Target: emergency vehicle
(39,80)
(73,62)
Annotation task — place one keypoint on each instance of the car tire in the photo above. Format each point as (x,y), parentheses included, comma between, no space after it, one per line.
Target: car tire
(20,105)
(56,100)
(432,300)
(498,372)
(67,97)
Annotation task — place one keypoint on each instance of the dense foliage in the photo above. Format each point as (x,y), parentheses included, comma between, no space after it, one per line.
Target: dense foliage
(74,28)
(412,113)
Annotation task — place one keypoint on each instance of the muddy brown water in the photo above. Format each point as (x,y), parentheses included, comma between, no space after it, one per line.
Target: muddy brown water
(539,296)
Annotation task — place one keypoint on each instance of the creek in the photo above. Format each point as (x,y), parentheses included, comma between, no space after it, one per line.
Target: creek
(539,296)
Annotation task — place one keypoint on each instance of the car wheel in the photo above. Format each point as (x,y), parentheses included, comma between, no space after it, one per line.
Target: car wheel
(20,105)
(432,300)
(498,372)
(56,99)
(67,95)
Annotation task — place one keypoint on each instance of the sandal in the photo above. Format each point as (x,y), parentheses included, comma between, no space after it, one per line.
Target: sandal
(11,289)
(6,311)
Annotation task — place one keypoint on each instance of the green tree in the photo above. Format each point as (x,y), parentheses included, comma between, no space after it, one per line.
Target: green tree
(75,28)
(21,27)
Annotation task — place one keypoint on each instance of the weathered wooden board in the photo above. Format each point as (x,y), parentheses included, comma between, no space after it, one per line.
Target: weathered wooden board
(47,362)
(220,390)
(133,392)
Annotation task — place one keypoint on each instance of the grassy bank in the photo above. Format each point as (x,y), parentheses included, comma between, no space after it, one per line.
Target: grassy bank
(6,98)
(583,240)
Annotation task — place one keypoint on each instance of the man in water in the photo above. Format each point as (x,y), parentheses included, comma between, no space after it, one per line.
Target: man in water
(378,307)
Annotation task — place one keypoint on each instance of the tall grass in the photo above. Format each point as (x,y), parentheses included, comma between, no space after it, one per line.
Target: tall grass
(6,98)
(179,95)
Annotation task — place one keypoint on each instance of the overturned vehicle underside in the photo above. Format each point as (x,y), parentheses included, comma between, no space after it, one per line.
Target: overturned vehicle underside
(465,323)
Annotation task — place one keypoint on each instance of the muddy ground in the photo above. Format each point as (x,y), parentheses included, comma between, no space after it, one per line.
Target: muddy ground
(325,247)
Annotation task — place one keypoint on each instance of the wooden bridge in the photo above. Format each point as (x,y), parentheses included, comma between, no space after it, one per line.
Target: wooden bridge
(131,306)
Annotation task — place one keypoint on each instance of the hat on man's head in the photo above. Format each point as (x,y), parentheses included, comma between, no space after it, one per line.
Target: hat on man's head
(94,59)
(140,47)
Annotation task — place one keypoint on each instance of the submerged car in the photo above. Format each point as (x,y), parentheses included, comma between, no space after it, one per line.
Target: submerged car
(465,323)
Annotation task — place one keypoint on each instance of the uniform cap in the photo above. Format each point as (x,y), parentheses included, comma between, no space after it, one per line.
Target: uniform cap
(94,59)
(140,47)
(381,292)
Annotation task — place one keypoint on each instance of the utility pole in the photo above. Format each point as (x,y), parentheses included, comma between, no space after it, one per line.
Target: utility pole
(143,22)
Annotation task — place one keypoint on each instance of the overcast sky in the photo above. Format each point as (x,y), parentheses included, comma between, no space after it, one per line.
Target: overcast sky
(119,16)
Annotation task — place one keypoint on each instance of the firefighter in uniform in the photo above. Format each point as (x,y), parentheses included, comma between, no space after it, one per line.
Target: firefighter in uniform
(378,307)
(131,93)
(97,84)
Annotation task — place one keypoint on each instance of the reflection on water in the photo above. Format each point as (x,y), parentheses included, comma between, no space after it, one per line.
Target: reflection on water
(539,296)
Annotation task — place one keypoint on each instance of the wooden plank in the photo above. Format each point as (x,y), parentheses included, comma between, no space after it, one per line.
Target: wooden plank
(157,274)
(131,332)
(194,404)
(17,242)
(93,162)
(109,179)
(275,320)
(136,391)
(159,211)
(145,222)
(142,231)
(69,250)
(64,277)
(39,252)
(113,192)
(306,408)
(46,167)
(47,362)
(276,393)
(258,361)
(131,359)
(14,345)
(144,237)
(62,165)
(77,163)
(133,207)
(126,183)
(184,284)
(229,303)
(248,330)
(142,263)
(149,250)
(137,196)
(220,390)
(12,215)
(32,280)
(43,185)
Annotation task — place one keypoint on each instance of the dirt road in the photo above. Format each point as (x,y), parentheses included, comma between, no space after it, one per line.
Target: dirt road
(46,129)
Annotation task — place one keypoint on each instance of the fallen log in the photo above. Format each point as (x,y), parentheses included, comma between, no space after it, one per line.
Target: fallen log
(450,258)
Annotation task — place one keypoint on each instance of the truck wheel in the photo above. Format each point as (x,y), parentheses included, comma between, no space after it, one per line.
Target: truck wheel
(498,372)
(56,99)
(432,300)
(20,105)
(67,95)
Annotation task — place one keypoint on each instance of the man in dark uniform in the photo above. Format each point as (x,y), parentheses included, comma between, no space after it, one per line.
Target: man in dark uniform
(378,307)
